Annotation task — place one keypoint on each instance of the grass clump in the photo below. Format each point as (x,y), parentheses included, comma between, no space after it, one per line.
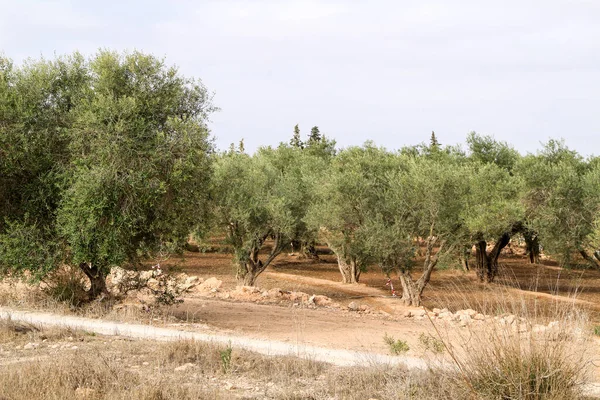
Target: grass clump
(396,346)
(431,343)
(226,359)
(511,366)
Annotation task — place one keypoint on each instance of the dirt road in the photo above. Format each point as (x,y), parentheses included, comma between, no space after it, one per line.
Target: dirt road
(268,347)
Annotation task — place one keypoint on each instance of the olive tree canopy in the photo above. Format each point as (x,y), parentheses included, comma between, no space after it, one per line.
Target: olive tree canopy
(118,162)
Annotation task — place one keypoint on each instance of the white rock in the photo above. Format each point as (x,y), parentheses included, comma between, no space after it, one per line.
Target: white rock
(470,312)
(184,367)
(31,346)
(419,313)
(210,285)
(145,276)
(464,319)
(153,284)
(353,306)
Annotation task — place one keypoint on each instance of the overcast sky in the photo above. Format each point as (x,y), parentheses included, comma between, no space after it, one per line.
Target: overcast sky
(387,71)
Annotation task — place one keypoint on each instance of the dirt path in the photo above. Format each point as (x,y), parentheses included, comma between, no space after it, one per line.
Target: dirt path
(374,297)
(329,328)
(266,347)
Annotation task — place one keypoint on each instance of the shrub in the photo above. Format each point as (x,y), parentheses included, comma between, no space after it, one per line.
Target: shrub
(431,343)
(396,346)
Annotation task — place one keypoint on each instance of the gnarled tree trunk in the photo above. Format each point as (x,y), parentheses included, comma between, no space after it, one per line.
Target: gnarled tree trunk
(97,280)
(464,258)
(349,269)
(591,259)
(487,263)
(412,291)
(250,268)
(309,250)
(532,245)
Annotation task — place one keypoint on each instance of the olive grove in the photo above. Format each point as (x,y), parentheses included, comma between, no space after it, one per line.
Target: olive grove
(107,161)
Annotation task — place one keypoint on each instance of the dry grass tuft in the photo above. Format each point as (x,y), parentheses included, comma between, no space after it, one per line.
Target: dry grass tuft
(526,351)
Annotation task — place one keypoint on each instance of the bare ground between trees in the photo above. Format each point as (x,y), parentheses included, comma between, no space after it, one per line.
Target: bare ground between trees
(344,336)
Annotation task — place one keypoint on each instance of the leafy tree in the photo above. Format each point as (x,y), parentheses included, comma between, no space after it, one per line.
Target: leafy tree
(423,199)
(256,199)
(296,141)
(315,136)
(560,200)
(492,212)
(130,169)
(591,245)
(346,192)
(36,112)
(487,150)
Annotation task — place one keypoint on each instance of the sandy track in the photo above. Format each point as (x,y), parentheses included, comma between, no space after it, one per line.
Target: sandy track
(266,347)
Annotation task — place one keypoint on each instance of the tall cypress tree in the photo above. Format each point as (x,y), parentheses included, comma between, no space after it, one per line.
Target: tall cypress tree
(315,135)
(296,141)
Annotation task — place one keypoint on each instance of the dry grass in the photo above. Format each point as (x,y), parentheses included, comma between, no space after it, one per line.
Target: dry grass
(102,368)
(514,356)
(64,293)
(493,361)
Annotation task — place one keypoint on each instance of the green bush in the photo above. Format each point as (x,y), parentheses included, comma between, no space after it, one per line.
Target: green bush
(396,346)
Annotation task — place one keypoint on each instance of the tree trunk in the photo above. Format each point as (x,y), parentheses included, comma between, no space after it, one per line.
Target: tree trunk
(532,244)
(464,258)
(349,270)
(252,267)
(595,263)
(250,276)
(309,250)
(481,259)
(412,292)
(487,264)
(97,280)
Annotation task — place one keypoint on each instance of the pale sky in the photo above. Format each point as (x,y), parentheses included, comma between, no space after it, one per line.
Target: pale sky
(387,71)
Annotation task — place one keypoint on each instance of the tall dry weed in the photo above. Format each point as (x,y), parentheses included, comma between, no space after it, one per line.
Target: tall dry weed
(526,348)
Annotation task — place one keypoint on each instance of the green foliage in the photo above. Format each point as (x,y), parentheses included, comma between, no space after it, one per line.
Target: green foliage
(225,355)
(345,196)
(296,141)
(431,343)
(315,135)
(103,160)
(261,196)
(396,347)
(486,150)
(422,199)
(492,205)
(560,196)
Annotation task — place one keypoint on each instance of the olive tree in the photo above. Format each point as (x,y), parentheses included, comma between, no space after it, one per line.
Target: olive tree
(560,197)
(257,198)
(591,243)
(422,200)
(132,171)
(343,197)
(492,212)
